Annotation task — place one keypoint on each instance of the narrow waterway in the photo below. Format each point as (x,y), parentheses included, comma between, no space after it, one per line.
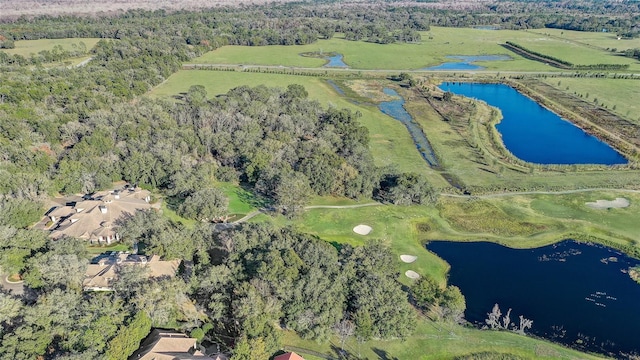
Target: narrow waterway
(395,109)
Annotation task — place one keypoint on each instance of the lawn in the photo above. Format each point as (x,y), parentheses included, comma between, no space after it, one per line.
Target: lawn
(391,144)
(435,45)
(27,48)
(618,95)
(440,341)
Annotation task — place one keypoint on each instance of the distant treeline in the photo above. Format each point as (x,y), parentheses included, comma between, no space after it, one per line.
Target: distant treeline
(554,61)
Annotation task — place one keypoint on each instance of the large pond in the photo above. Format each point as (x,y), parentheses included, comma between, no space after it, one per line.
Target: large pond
(533,133)
(395,109)
(576,294)
(466,62)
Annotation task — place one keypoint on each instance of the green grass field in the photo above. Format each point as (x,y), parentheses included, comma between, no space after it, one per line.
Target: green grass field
(573,52)
(27,48)
(440,341)
(603,40)
(435,45)
(618,95)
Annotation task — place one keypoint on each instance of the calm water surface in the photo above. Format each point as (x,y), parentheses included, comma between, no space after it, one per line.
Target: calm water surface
(576,294)
(533,133)
(465,62)
(335,61)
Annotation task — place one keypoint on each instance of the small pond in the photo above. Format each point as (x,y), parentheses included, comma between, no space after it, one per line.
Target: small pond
(577,294)
(466,62)
(335,61)
(533,133)
(395,109)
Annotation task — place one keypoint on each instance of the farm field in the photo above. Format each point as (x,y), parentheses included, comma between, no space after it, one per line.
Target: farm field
(435,45)
(28,47)
(618,95)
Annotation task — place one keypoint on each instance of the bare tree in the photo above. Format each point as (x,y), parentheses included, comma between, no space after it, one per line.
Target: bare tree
(494,317)
(524,324)
(344,329)
(506,320)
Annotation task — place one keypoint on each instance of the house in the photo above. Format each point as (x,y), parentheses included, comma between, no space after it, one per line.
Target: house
(288,356)
(102,272)
(92,218)
(168,345)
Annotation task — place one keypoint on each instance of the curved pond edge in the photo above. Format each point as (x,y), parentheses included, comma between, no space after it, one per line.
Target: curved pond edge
(466,63)
(554,255)
(509,159)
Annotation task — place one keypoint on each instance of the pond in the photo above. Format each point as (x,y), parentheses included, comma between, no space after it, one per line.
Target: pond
(466,62)
(576,294)
(533,133)
(335,61)
(395,109)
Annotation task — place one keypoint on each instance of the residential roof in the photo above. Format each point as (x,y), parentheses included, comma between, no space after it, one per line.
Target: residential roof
(168,345)
(101,274)
(94,217)
(288,356)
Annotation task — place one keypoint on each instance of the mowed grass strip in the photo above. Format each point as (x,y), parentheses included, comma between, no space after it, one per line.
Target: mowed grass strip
(390,145)
(436,44)
(27,48)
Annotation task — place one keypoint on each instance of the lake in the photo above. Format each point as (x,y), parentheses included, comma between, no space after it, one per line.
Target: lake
(466,62)
(533,133)
(575,293)
(395,109)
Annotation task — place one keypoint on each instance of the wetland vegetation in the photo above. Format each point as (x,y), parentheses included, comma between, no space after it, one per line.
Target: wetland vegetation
(184,104)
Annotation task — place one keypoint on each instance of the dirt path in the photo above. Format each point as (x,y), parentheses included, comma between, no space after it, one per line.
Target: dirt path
(516,193)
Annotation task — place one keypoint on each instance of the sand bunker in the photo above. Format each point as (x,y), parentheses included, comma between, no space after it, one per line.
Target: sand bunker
(362,229)
(412,274)
(608,204)
(408,258)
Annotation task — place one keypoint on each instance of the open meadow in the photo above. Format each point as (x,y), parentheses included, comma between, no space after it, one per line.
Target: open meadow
(436,44)
(602,40)
(27,48)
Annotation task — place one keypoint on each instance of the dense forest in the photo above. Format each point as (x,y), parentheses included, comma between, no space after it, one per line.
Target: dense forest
(75,130)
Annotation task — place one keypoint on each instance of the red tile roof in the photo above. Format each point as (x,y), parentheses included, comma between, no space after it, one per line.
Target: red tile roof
(289,356)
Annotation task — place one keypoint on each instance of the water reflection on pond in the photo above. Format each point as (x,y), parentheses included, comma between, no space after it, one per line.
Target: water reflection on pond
(533,133)
(466,62)
(576,294)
